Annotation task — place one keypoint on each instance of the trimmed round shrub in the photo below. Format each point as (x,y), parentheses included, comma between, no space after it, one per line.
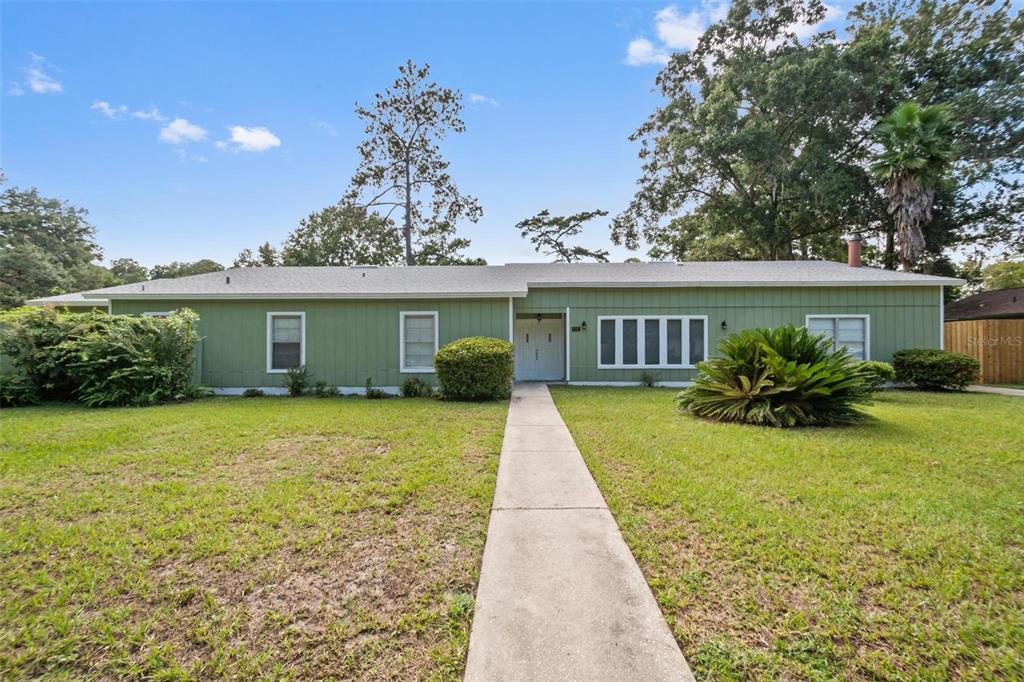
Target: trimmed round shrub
(474,368)
(877,374)
(784,376)
(931,369)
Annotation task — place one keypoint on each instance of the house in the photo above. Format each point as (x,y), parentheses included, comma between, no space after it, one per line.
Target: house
(583,323)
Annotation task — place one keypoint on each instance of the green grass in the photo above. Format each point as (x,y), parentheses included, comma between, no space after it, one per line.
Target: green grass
(245,538)
(890,550)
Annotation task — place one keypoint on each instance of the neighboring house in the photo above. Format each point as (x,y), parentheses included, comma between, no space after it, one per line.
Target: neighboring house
(607,323)
(988,305)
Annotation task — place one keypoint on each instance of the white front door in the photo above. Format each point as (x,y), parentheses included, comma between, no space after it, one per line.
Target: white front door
(540,349)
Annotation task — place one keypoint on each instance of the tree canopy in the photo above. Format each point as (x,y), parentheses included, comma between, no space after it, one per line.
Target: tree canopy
(47,246)
(549,233)
(343,235)
(763,145)
(184,268)
(402,169)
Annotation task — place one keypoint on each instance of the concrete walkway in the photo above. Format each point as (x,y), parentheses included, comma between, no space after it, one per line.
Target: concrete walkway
(996,389)
(560,596)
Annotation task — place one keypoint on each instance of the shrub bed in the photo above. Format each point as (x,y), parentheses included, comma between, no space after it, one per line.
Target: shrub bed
(784,376)
(930,369)
(474,368)
(96,358)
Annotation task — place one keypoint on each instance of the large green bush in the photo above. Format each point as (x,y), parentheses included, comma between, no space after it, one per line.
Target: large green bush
(784,376)
(930,369)
(100,359)
(474,368)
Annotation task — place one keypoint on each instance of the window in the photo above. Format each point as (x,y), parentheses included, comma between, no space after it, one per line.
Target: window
(651,341)
(418,342)
(286,341)
(851,332)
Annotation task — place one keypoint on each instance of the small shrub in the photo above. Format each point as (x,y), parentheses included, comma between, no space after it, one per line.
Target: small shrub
(877,374)
(414,387)
(649,379)
(475,368)
(784,376)
(252,393)
(296,379)
(930,369)
(322,390)
(372,392)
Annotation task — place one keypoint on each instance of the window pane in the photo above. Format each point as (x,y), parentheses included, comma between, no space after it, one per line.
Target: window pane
(287,328)
(419,341)
(850,329)
(607,342)
(822,325)
(674,342)
(652,342)
(285,355)
(854,349)
(629,342)
(696,341)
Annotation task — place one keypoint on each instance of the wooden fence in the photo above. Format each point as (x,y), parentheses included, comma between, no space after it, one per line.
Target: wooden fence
(998,345)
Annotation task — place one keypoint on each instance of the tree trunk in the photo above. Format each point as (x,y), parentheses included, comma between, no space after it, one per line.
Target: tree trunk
(407,228)
(890,249)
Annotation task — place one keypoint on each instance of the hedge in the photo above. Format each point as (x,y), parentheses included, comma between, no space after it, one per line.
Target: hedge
(97,359)
(930,369)
(474,368)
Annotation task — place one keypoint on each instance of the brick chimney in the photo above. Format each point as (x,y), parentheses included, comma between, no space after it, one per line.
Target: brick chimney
(853,250)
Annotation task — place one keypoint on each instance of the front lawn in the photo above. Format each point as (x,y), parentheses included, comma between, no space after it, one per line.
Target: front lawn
(268,537)
(890,550)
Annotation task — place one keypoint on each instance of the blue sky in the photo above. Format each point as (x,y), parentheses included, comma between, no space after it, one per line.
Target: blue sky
(193,130)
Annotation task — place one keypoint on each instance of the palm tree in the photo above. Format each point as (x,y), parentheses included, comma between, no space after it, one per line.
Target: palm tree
(917,149)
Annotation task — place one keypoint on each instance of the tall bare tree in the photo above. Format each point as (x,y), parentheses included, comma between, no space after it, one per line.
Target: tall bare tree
(401,166)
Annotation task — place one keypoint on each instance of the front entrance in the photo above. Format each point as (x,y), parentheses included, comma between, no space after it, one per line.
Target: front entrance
(540,347)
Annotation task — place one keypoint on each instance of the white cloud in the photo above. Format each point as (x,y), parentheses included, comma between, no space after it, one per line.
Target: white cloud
(151,114)
(256,139)
(475,98)
(36,78)
(680,31)
(642,51)
(107,110)
(327,128)
(180,131)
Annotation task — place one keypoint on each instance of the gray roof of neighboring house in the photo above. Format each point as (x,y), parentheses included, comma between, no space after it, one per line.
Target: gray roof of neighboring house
(1000,303)
(72,299)
(513,279)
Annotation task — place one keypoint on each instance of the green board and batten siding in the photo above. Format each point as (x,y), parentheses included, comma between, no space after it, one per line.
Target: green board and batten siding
(348,341)
(900,316)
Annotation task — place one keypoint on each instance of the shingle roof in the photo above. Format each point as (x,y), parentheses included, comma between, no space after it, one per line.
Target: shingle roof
(513,279)
(72,299)
(1001,303)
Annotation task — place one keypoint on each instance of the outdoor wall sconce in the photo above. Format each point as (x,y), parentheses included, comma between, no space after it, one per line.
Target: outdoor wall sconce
(724,326)
(583,326)
(539,317)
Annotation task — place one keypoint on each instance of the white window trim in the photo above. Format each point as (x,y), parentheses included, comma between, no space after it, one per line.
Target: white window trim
(662,342)
(157,313)
(401,340)
(832,316)
(270,339)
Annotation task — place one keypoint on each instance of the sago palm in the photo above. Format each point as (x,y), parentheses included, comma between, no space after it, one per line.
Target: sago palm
(917,149)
